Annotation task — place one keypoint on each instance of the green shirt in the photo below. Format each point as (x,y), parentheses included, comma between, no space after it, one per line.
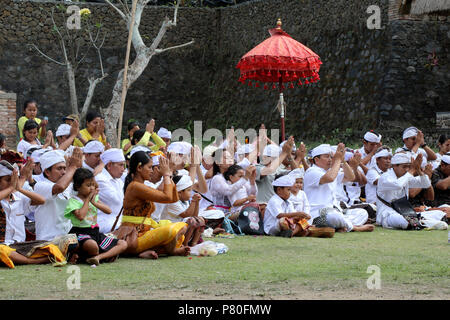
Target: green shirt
(76,203)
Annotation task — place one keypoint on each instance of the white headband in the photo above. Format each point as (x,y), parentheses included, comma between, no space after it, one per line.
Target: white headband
(401,158)
(410,132)
(139,148)
(284,181)
(63,130)
(272,150)
(112,155)
(4,170)
(322,149)
(446,158)
(94,146)
(383,153)
(51,158)
(372,137)
(180,147)
(164,133)
(297,173)
(244,163)
(246,148)
(184,183)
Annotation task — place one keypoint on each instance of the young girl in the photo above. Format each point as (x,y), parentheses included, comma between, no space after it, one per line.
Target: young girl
(183,211)
(30,112)
(82,211)
(245,194)
(30,133)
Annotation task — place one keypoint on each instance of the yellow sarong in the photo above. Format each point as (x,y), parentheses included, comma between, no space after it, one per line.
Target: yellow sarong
(5,251)
(161,234)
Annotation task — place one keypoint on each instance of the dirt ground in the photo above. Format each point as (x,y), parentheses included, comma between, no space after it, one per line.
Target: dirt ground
(286,292)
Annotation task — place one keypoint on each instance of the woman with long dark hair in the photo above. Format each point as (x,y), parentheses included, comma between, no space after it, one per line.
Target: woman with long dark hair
(146,237)
(95,130)
(444,147)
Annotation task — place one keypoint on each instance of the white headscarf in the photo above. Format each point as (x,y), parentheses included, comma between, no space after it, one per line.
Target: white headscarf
(297,173)
(184,183)
(139,148)
(63,130)
(272,150)
(410,132)
(181,147)
(94,146)
(284,181)
(5,168)
(112,155)
(401,158)
(51,158)
(372,137)
(164,133)
(322,149)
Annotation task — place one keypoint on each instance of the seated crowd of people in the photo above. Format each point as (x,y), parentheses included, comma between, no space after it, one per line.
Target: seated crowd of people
(77,199)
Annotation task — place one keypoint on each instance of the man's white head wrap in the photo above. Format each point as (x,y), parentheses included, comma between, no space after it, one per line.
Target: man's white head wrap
(272,150)
(372,137)
(410,132)
(93,146)
(446,158)
(180,147)
(51,158)
(322,149)
(164,133)
(297,173)
(401,158)
(245,148)
(112,155)
(184,183)
(63,130)
(284,181)
(6,169)
(139,148)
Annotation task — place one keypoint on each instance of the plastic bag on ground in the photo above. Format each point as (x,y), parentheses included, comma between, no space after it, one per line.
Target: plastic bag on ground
(209,248)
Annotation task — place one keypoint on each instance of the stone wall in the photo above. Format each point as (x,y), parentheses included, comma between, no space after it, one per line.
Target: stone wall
(370,79)
(8,117)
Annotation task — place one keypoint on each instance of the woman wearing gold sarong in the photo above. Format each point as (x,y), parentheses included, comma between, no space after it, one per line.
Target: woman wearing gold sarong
(146,237)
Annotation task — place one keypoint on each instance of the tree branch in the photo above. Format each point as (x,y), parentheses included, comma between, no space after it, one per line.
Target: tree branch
(158,51)
(117,9)
(87,102)
(46,56)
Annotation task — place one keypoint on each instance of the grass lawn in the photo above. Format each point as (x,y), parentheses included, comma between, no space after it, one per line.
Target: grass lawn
(413,265)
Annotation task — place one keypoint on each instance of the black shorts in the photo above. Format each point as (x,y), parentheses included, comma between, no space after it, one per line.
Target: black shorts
(104,242)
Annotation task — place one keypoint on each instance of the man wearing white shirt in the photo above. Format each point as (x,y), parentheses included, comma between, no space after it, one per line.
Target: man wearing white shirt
(111,188)
(414,143)
(272,158)
(56,189)
(371,143)
(395,184)
(382,164)
(320,184)
(92,151)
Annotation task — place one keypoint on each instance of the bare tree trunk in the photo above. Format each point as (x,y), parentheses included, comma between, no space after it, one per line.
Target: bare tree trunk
(143,56)
(72,88)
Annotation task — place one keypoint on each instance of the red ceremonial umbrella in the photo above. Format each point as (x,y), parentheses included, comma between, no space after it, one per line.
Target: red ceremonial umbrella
(280,59)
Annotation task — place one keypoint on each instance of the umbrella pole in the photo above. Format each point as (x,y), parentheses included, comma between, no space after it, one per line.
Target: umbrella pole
(282,110)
